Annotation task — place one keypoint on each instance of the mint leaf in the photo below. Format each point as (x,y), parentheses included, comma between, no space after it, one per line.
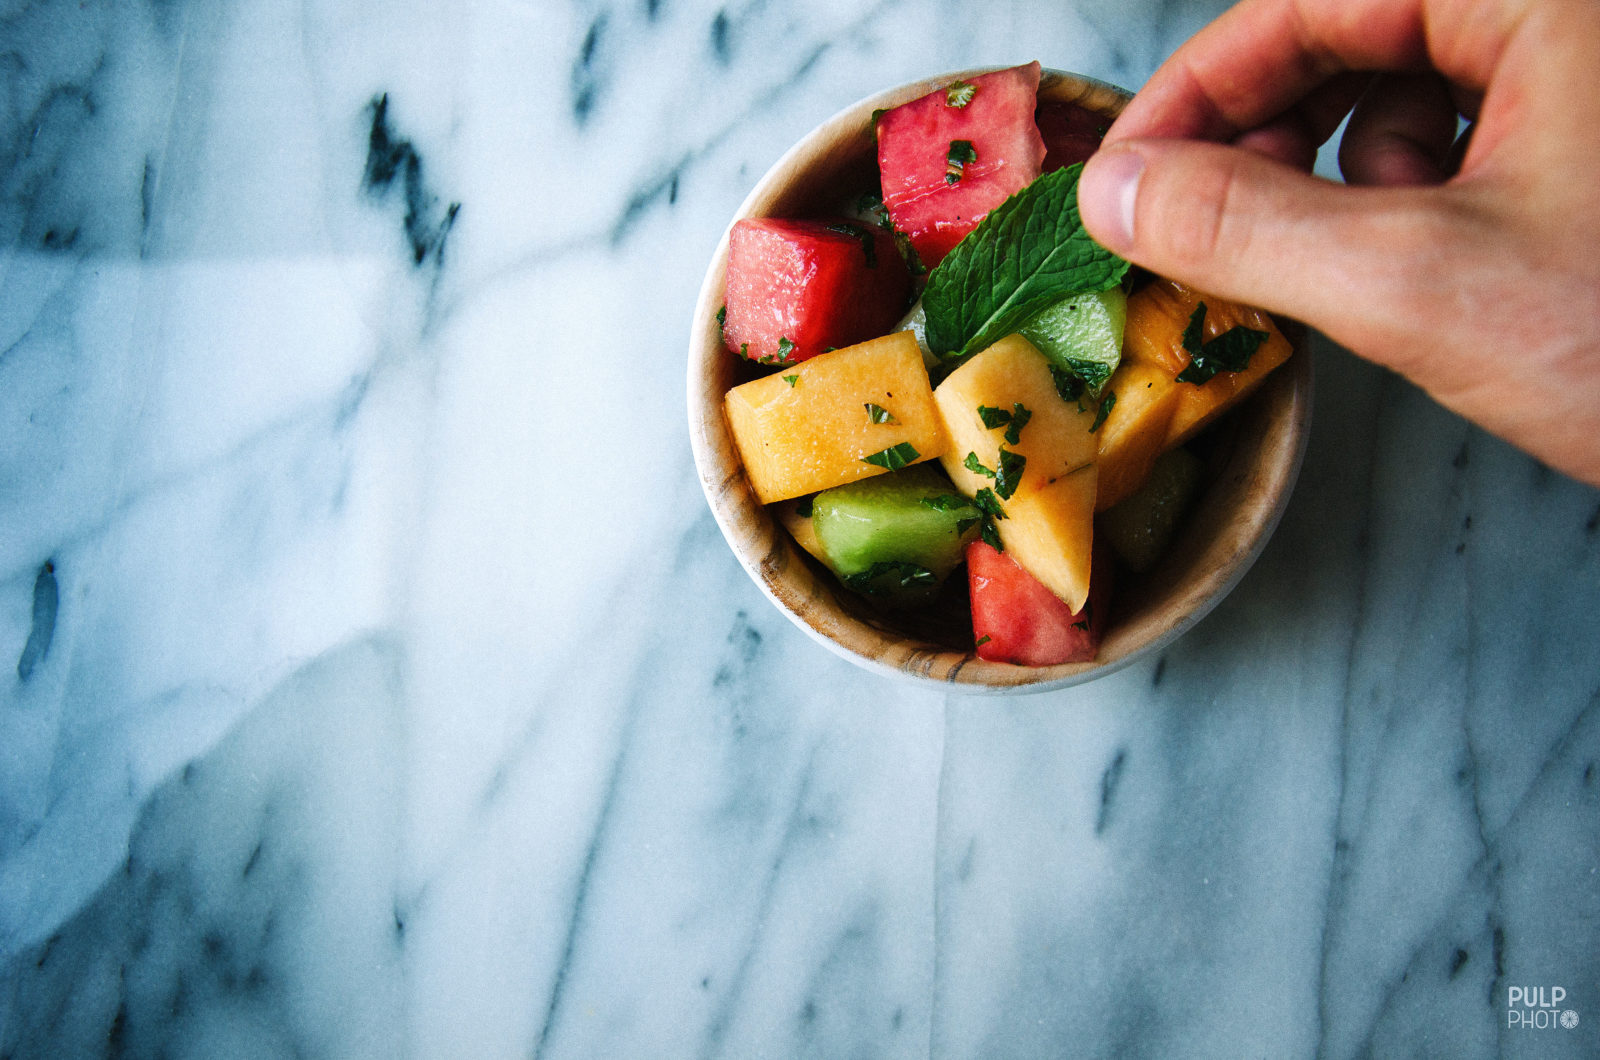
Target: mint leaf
(946,502)
(791,380)
(879,414)
(1094,374)
(869,247)
(1013,421)
(974,465)
(1228,352)
(1020,415)
(888,577)
(1068,386)
(1107,403)
(955,160)
(984,500)
(1195,333)
(1030,251)
(893,458)
(1009,473)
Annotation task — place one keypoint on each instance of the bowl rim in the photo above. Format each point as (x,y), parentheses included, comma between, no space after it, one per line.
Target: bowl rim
(770,556)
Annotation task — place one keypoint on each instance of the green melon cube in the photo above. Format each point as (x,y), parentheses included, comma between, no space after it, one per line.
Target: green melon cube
(1140,527)
(1082,335)
(895,536)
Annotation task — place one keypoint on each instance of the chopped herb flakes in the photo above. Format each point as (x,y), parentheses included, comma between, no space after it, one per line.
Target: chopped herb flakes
(960,93)
(791,379)
(1069,386)
(974,465)
(893,458)
(722,316)
(1009,474)
(887,577)
(1106,405)
(1228,352)
(1013,421)
(946,502)
(981,641)
(871,208)
(961,152)
(785,348)
(984,500)
(869,247)
(879,414)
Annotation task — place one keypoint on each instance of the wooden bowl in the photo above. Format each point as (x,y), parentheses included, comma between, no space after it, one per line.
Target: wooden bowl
(1253,456)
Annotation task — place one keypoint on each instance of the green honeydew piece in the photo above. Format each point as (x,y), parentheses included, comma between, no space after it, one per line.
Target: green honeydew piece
(895,536)
(1140,528)
(1082,334)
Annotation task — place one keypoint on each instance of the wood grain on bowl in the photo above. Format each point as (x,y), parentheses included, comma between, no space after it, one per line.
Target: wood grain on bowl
(1254,456)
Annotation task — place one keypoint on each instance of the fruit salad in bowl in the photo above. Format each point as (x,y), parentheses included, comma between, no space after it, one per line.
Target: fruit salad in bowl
(948,433)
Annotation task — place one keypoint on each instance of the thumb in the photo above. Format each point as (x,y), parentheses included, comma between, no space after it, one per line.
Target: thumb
(1242,226)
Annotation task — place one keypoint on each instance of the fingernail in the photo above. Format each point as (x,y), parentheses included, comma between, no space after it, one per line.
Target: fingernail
(1107,193)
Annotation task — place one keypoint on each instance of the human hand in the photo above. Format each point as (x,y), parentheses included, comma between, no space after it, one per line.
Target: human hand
(1480,281)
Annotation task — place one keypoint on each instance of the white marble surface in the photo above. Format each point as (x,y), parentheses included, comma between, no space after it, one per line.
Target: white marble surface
(376,682)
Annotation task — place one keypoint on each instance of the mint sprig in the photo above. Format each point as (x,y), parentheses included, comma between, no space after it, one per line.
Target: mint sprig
(1030,251)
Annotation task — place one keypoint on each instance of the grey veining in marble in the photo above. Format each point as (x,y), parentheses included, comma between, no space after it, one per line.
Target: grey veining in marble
(375,681)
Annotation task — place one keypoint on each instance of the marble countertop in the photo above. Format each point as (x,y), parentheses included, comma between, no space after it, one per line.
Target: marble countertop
(376,682)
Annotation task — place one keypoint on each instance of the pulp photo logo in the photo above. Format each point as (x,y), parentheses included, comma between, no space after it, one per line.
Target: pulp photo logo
(1538,1008)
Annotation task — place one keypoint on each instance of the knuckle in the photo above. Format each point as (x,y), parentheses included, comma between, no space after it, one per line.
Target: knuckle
(1198,221)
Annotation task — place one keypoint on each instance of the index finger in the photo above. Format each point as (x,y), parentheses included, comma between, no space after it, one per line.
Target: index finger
(1262,56)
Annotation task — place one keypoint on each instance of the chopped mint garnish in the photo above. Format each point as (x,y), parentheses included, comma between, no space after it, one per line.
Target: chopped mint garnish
(1069,386)
(791,379)
(961,152)
(1194,333)
(1030,251)
(785,347)
(1229,352)
(974,465)
(946,502)
(887,577)
(981,641)
(960,93)
(893,458)
(1009,474)
(1107,403)
(722,316)
(1014,420)
(879,414)
(869,246)
(986,502)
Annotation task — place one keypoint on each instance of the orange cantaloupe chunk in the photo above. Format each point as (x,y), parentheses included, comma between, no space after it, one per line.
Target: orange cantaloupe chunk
(1049,524)
(1135,430)
(1157,317)
(807,428)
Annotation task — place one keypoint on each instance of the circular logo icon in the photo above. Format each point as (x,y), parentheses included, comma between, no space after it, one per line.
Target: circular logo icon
(1569,1019)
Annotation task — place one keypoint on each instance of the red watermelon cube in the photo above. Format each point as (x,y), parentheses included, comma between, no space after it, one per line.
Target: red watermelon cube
(953,155)
(798,288)
(1015,619)
(1071,133)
